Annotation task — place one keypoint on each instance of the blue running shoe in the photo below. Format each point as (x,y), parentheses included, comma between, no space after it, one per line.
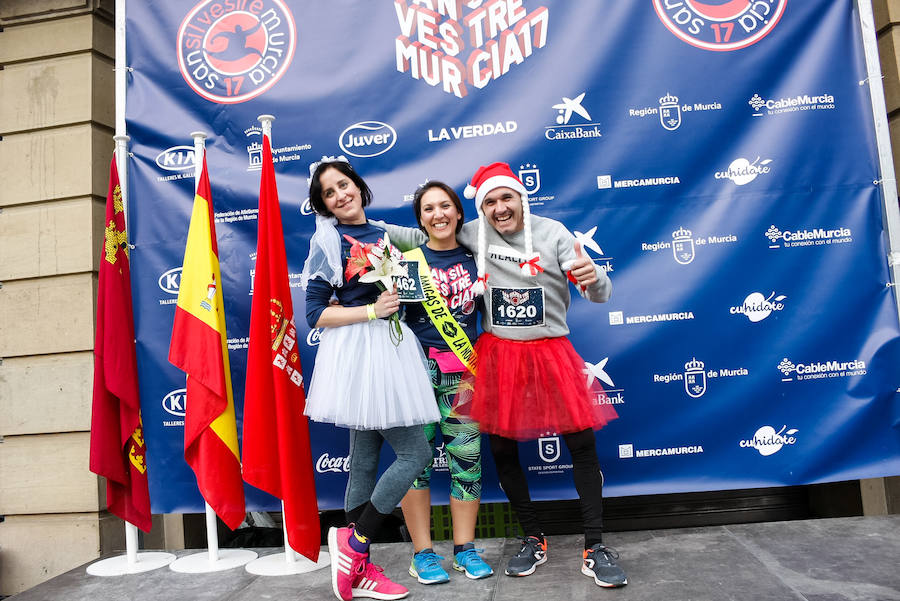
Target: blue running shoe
(426,567)
(471,563)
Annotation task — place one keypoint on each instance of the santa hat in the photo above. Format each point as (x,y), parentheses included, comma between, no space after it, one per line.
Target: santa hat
(487,178)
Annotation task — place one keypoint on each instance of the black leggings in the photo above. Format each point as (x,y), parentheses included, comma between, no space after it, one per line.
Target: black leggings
(586,473)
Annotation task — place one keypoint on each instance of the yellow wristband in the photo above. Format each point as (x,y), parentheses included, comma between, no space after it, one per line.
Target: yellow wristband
(370,311)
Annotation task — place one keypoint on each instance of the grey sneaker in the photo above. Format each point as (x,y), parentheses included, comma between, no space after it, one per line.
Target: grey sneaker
(532,554)
(600,564)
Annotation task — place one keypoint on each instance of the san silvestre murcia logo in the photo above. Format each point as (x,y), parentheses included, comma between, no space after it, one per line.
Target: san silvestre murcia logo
(720,25)
(230,51)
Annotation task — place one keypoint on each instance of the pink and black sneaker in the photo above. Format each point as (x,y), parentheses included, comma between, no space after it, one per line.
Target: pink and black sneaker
(373,584)
(347,565)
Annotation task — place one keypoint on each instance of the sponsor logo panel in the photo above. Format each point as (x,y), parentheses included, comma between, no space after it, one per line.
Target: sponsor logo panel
(549,450)
(618,318)
(180,159)
(818,370)
(768,442)
(819,236)
(439,463)
(757,306)
(601,384)
(174,403)
(238,215)
(313,337)
(684,245)
(670,112)
(169,282)
(238,343)
(530,175)
(573,121)
(280,154)
(741,171)
(792,104)
(367,139)
(477,130)
(628,451)
(605,182)
(696,378)
(338,465)
(590,246)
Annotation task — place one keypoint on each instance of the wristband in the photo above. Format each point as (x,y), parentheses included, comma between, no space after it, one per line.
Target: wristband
(370,311)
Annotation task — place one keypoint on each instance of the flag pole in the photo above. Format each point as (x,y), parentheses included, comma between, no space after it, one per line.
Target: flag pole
(199,150)
(290,556)
(266,121)
(292,562)
(214,560)
(212,533)
(131,531)
(131,543)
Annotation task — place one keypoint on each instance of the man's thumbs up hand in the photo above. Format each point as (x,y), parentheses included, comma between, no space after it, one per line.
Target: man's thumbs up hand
(582,269)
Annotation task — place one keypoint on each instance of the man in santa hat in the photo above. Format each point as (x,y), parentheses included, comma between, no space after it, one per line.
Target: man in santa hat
(530,381)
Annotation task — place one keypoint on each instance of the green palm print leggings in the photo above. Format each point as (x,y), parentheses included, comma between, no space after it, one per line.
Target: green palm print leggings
(462,440)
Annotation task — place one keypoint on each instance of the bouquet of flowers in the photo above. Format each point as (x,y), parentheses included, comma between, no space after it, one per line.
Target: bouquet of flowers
(377,264)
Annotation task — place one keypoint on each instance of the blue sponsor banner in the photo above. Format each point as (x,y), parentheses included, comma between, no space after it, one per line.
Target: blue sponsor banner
(716,159)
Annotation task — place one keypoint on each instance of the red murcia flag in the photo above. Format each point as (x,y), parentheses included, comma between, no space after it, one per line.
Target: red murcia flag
(118,452)
(199,349)
(277,455)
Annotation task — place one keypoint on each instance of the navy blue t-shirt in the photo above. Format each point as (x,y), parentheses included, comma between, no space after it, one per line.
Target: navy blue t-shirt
(453,273)
(352,293)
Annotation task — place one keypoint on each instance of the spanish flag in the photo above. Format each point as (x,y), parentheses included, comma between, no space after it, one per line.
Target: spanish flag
(199,349)
(117,442)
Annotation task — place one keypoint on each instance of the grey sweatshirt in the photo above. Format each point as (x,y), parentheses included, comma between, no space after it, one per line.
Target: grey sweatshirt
(517,306)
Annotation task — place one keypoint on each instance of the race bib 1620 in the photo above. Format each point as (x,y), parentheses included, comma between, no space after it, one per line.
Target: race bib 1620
(517,307)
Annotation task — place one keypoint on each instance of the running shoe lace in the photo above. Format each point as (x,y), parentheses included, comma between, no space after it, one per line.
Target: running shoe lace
(529,547)
(373,571)
(430,560)
(469,555)
(609,554)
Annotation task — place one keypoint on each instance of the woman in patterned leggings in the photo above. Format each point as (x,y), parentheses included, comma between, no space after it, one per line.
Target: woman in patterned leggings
(452,271)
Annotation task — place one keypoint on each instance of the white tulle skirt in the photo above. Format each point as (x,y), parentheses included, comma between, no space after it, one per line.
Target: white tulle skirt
(362,381)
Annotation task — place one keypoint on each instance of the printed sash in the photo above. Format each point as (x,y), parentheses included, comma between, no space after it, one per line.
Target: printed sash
(441,318)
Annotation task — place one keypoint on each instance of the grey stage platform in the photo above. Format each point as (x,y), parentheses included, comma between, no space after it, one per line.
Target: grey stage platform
(839,559)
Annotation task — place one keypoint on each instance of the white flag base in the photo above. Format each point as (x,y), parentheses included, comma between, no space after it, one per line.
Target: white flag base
(279,565)
(119,566)
(199,563)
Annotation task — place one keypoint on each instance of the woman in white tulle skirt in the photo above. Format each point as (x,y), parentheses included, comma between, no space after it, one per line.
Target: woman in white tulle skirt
(363,381)
(370,374)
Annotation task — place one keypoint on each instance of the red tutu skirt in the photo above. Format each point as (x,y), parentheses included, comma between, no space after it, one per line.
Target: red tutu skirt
(526,389)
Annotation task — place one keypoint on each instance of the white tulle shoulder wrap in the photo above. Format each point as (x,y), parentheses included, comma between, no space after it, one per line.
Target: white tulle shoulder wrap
(324,260)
